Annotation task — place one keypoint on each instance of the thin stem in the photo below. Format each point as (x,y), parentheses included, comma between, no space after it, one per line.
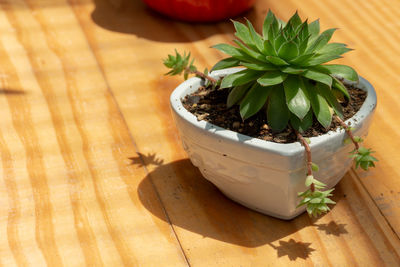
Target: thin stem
(202,75)
(308,156)
(348,131)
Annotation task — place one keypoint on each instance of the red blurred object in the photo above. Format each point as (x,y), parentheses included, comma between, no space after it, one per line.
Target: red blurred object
(200,10)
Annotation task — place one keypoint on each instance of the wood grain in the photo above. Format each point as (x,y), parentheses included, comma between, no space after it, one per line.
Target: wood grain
(73,148)
(93,173)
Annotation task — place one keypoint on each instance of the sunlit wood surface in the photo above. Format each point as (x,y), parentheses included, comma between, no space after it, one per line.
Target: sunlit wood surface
(92,171)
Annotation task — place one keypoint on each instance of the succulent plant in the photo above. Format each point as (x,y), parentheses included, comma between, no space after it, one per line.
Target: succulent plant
(285,72)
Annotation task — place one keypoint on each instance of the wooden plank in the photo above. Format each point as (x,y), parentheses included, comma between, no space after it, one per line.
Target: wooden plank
(129,42)
(376,58)
(68,187)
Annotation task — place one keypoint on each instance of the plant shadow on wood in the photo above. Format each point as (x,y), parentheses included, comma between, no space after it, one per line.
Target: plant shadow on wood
(332,228)
(133,17)
(145,160)
(193,203)
(293,249)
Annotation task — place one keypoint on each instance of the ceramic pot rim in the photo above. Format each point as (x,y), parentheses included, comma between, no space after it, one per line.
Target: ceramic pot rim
(289,149)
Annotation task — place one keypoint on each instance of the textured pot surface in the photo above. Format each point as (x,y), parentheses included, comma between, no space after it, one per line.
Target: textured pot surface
(264,176)
(200,10)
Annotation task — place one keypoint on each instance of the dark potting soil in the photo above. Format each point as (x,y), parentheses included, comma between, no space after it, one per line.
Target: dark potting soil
(210,105)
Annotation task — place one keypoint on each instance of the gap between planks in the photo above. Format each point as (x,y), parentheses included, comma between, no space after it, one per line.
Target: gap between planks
(383,222)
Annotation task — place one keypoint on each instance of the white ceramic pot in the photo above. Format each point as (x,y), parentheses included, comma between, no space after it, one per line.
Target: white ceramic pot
(261,175)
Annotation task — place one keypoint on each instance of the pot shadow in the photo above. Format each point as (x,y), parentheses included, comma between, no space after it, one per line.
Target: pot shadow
(193,203)
(134,17)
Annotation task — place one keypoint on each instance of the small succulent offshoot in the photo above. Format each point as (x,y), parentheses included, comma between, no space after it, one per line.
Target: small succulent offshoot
(315,199)
(285,74)
(179,64)
(361,155)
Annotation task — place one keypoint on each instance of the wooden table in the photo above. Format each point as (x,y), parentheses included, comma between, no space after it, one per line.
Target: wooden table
(92,171)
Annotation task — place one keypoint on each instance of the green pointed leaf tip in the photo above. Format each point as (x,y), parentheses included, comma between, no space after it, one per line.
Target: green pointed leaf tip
(255,37)
(277,111)
(241,77)
(236,94)
(254,100)
(326,92)
(243,33)
(302,125)
(269,19)
(314,167)
(319,106)
(296,96)
(309,180)
(225,63)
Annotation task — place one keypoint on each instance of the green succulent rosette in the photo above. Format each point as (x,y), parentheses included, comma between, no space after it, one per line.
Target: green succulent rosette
(286,72)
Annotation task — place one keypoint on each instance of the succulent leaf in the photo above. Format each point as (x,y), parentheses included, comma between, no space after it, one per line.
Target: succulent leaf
(362,157)
(269,48)
(315,201)
(301,60)
(339,86)
(296,96)
(334,49)
(254,100)
(179,64)
(250,52)
(262,67)
(340,70)
(314,167)
(326,92)
(241,77)
(302,125)
(255,37)
(225,63)
(292,70)
(304,33)
(318,59)
(309,180)
(234,52)
(277,61)
(243,34)
(321,41)
(267,24)
(277,112)
(313,28)
(288,50)
(274,29)
(236,94)
(295,21)
(279,41)
(272,78)
(320,106)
